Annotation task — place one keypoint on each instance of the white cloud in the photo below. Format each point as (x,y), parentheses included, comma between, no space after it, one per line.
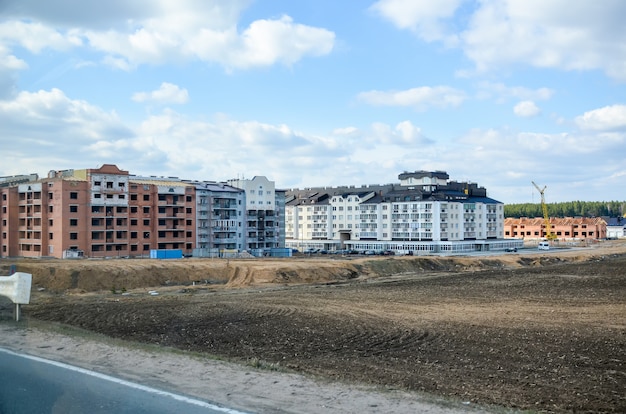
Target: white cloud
(46,127)
(502,92)
(603,119)
(421,98)
(426,18)
(167,93)
(49,130)
(526,109)
(404,133)
(163,31)
(559,34)
(35,36)
(522,157)
(40,113)
(554,34)
(9,65)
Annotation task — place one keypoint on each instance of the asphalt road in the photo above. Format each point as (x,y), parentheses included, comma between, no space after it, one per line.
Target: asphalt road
(35,385)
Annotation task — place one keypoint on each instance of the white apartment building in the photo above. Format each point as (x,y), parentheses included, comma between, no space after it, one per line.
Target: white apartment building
(263,212)
(425,212)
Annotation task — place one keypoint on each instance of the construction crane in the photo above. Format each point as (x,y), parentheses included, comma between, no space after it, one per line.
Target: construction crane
(544,208)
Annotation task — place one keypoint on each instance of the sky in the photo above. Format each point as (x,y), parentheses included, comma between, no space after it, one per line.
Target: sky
(321,92)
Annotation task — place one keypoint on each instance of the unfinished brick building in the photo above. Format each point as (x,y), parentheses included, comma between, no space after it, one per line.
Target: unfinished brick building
(568,228)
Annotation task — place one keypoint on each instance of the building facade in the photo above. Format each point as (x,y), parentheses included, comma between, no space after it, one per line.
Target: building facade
(107,212)
(103,212)
(424,212)
(264,212)
(615,227)
(220,217)
(565,229)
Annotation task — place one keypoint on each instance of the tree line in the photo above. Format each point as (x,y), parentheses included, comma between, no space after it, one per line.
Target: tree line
(568,209)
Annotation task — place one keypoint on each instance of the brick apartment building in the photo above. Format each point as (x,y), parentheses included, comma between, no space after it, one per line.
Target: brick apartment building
(568,228)
(102,212)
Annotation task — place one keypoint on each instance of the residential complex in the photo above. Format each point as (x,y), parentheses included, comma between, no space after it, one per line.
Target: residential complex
(425,212)
(106,212)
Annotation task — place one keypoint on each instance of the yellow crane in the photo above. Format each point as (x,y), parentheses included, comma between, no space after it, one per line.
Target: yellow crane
(544,208)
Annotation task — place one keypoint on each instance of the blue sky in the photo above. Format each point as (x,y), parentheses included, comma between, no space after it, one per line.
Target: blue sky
(321,92)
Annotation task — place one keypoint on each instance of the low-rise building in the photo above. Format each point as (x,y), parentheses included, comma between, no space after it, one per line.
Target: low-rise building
(567,228)
(615,227)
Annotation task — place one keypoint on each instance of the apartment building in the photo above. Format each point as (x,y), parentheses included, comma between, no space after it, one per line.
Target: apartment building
(565,229)
(264,213)
(424,212)
(107,212)
(220,216)
(102,212)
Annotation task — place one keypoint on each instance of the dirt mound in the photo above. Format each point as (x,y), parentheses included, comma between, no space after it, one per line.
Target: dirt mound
(127,274)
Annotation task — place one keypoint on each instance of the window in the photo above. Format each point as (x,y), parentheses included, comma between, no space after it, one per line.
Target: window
(133,209)
(133,197)
(73,236)
(146,222)
(97,183)
(146,197)
(109,184)
(50,196)
(133,222)
(73,209)
(50,209)
(146,247)
(133,234)
(146,235)
(188,198)
(74,195)
(97,196)
(73,222)
(146,210)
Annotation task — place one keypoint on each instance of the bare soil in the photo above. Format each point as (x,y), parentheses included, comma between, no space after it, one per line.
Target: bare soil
(538,331)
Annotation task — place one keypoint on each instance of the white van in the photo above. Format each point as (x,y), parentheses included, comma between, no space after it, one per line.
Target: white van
(544,245)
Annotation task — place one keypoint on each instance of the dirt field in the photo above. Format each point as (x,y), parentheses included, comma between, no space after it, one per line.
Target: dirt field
(544,332)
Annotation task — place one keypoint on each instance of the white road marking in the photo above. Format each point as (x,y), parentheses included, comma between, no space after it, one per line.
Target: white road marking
(134,385)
